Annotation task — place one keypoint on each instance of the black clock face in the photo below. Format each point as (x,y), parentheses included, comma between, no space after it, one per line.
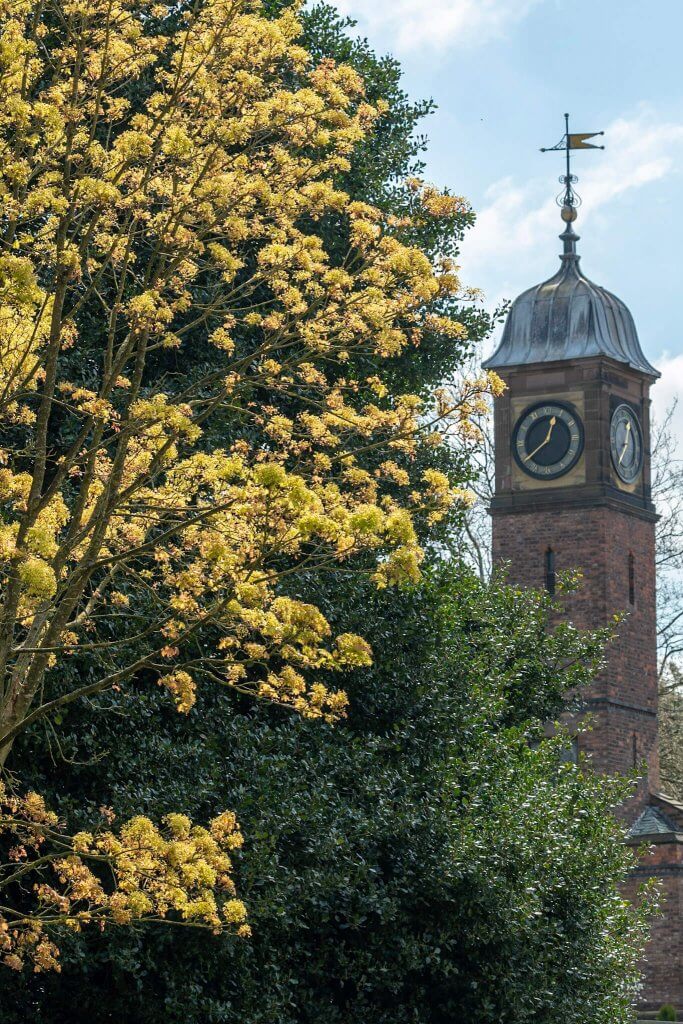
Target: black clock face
(548,440)
(626,443)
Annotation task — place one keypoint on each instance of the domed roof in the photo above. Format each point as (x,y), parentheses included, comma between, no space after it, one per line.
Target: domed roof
(569,317)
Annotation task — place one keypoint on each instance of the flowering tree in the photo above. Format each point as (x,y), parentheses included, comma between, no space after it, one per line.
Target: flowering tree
(163,172)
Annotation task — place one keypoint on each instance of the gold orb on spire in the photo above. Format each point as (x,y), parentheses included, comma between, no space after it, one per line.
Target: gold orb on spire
(569,214)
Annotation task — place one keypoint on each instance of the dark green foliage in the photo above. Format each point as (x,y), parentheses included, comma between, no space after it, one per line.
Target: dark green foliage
(428,861)
(667,1012)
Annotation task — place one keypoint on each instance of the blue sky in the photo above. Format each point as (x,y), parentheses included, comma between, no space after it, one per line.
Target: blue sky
(502,73)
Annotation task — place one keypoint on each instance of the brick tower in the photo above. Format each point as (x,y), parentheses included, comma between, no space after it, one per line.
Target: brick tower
(573,492)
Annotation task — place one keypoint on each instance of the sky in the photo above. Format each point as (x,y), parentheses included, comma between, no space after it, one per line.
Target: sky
(502,73)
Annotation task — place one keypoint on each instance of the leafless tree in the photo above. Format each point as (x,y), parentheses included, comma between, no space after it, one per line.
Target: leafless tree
(671,731)
(667,493)
(472,540)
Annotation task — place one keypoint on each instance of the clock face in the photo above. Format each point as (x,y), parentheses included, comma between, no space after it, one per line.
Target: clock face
(548,440)
(626,443)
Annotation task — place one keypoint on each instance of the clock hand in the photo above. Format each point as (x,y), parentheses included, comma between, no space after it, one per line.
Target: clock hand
(628,438)
(544,442)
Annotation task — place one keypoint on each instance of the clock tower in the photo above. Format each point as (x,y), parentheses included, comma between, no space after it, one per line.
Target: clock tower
(572,454)
(573,487)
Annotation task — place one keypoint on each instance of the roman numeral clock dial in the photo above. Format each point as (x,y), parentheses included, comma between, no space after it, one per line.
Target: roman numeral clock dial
(626,444)
(548,440)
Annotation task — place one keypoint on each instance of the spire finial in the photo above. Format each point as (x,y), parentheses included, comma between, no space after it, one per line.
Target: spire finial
(569,238)
(568,199)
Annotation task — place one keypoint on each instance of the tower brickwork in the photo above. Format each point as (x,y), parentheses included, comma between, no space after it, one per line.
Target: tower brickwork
(594,524)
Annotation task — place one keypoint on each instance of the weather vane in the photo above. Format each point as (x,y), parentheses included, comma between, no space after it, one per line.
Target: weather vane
(568,199)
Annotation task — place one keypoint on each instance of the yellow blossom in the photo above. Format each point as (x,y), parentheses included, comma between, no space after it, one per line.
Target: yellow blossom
(190,215)
(37,577)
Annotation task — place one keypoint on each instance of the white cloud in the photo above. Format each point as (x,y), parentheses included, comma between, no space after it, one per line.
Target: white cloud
(411,24)
(516,221)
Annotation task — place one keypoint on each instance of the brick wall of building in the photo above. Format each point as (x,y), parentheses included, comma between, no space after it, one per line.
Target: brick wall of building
(662,968)
(614,552)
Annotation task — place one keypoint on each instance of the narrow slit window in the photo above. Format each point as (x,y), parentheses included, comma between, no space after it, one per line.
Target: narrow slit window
(550,571)
(631,579)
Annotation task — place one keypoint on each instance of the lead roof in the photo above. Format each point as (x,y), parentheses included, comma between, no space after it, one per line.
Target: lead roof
(569,317)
